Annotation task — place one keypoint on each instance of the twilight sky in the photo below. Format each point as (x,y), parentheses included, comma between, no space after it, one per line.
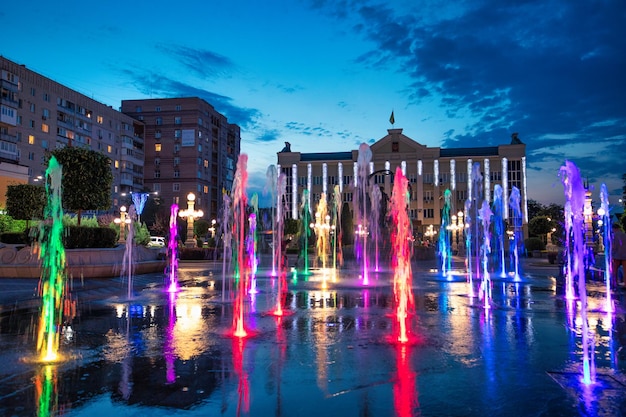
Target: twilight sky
(326,74)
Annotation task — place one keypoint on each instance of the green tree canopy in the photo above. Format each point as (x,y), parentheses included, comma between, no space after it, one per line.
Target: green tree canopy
(25,201)
(87,179)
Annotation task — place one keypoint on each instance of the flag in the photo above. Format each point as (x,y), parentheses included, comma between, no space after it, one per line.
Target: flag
(392,119)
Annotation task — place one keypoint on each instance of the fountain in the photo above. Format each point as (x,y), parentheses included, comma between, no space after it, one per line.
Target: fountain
(360,207)
(485,217)
(304,232)
(52,255)
(337,232)
(281,273)
(375,197)
(240,201)
(225,226)
(516,242)
(128,261)
(400,237)
(575,201)
(499,230)
(172,250)
(322,231)
(605,218)
(272,185)
(445,251)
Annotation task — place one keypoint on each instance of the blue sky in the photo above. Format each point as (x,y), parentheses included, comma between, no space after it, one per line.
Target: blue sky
(326,74)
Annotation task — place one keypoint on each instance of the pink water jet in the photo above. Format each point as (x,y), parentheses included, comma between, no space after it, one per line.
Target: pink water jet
(172,250)
(240,203)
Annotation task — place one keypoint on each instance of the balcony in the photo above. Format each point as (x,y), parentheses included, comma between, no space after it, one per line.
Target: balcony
(7,85)
(8,138)
(9,156)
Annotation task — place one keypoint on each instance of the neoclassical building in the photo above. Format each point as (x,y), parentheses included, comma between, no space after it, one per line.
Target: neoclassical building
(430,171)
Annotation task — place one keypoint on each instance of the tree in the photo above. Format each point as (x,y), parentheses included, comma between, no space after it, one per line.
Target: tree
(25,202)
(540,225)
(87,179)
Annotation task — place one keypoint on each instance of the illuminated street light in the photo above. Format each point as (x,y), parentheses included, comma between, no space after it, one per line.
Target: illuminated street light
(123,220)
(190,214)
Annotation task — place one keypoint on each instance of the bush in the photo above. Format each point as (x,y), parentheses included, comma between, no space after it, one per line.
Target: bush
(195,253)
(89,237)
(14,238)
(534,243)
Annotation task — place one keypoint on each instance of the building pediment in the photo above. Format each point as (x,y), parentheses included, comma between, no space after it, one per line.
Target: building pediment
(396,142)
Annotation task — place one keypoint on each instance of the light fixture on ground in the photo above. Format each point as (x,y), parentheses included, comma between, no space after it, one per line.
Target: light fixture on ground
(190,214)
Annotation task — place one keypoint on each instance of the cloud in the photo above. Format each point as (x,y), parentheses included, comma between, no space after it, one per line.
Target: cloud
(544,69)
(154,84)
(268,135)
(207,65)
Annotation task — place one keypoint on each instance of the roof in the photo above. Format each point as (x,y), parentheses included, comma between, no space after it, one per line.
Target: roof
(482,151)
(326,156)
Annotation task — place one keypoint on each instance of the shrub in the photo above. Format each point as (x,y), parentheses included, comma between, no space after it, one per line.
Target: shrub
(89,237)
(534,243)
(14,238)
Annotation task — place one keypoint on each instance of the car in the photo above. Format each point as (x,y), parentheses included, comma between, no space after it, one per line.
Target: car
(156,242)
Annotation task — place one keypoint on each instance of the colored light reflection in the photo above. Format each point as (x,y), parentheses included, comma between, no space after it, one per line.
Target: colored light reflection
(46,391)
(243,385)
(404,388)
(239,233)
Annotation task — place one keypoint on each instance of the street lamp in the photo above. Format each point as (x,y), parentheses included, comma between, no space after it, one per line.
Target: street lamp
(190,214)
(123,220)
(212,228)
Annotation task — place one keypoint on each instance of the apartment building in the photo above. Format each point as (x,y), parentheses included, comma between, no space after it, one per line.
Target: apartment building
(190,148)
(39,115)
(430,171)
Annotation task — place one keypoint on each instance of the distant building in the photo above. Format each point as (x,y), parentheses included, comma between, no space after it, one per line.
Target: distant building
(190,148)
(38,115)
(430,172)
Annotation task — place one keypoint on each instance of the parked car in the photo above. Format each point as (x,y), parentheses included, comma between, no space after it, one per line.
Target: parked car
(156,242)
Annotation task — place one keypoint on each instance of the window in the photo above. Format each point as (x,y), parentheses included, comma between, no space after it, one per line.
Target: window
(44,144)
(176,173)
(395,147)
(46,97)
(178,120)
(100,119)
(159,121)
(176,186)
(177,148)
(428,196)
(31,123)
(157,161)
(206,163)
(117,163)
(176,161)
(177,133)
(109,148)
(157,108)
(45,113)
(428,178)
(33,91)
(31,156)
(157,173)
(429,213)
(45,128)
(32,107)
(178,107)
(157,147)
(31,139)
(205,189)
(444,178)
(157,134)
(138,109)
(156,187)
(412,178)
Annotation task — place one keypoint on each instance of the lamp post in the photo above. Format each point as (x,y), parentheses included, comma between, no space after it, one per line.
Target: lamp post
(190,214)
(212,228)
(123,220)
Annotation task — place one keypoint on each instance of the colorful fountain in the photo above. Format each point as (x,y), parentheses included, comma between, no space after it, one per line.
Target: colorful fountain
(402,277)
(52,255)
(240,205)
(172,251)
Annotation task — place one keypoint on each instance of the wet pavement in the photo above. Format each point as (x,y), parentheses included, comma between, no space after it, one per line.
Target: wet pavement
(332,354)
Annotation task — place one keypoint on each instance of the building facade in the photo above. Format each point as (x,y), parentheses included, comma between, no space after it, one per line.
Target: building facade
(38,115)
(430,171)
(190,148)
